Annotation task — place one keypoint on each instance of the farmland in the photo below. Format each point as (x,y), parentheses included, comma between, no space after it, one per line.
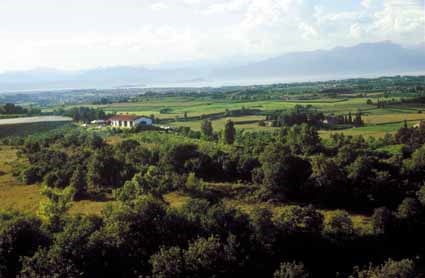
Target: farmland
(189,112)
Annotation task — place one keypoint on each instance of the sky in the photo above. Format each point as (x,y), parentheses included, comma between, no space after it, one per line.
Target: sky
(80,34)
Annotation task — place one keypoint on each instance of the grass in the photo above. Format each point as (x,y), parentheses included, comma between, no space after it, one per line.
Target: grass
(392,149)
(14,195)
(176,199)
(26,198)
(88,207)
(392,117)
(377,130)
(245,122)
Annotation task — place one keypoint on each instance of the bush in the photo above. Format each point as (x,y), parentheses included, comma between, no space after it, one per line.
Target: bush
(390,269)
(291,270)
(339,224)
(381,220)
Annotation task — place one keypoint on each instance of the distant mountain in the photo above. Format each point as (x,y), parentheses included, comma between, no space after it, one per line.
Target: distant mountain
(363,59)
(367,58)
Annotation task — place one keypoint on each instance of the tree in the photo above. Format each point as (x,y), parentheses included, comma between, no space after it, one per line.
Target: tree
(409,208)
(390,269)
(168,263)
(303,139)
(78,182)
(283,172)
(53,210)
(291,270)
(329,178)
(103,170)
(416,165)
(339,224)
(263,228)
(140,228)
(193,184)
(207,129)
(72,252)
(204,257)
(358,121)
(20,236)
(178,156)
(421,195)
(208,257)
(297,219)
(229,132)
(381,220)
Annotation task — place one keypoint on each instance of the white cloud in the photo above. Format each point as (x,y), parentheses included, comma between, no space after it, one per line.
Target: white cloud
(356,31)
(197,29)
(308,31)
(400,16)
(159,6)
(226,7)
(191,2)
(366,3)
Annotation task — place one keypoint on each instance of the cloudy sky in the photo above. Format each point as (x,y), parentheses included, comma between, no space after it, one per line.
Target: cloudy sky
(75,34)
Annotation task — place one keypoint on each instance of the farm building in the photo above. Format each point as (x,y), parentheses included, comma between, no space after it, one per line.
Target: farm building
(129,121)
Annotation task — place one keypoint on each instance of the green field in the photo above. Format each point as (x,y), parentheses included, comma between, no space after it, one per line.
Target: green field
(378,121)
(24,129)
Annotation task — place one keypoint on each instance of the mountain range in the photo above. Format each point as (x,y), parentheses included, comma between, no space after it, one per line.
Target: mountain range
(381,58)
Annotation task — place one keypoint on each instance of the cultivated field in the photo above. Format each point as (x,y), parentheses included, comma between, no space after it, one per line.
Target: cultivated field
(378,121)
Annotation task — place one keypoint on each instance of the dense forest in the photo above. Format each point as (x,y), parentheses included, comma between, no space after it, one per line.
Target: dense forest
(140,235)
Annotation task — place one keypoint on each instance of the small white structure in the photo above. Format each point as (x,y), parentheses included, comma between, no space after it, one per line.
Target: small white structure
(129,121)
(420,124)
(98,122)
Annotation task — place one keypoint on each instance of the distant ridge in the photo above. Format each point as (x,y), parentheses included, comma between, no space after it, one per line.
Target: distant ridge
(373,58)
(379,58)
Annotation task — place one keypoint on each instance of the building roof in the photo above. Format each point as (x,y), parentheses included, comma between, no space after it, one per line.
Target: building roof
(125,118)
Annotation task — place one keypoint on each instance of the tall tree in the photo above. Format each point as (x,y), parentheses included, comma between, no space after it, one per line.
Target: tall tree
(207,129)
(229,132)
(78,182)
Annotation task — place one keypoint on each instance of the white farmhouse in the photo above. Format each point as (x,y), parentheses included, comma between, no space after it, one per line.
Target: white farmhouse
(129,121)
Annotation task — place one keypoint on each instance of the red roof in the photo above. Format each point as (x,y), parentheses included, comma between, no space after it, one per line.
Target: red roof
(124,118)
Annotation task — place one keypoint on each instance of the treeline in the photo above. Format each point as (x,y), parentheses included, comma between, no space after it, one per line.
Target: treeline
(382,103)
(83,114)
(12,109)
(298,115)
(309,115)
